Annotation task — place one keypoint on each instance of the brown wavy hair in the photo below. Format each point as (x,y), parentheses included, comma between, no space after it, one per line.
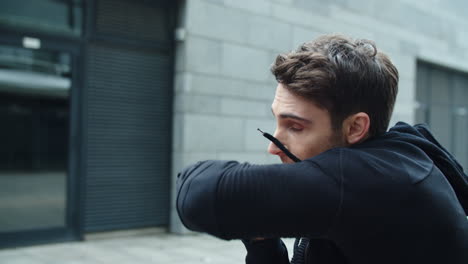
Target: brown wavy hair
(343,76)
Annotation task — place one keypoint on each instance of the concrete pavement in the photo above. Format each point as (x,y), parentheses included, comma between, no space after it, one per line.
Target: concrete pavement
(148,248)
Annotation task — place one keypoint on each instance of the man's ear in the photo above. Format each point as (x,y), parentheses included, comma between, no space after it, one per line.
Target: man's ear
(356,128)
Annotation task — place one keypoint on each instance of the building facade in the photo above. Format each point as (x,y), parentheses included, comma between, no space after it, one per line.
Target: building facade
(104,101)
(223,88)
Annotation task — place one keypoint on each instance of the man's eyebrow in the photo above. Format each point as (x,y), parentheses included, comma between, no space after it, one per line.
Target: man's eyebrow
(292,116)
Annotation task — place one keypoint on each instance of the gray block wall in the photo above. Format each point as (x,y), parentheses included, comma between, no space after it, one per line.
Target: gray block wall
(223,88)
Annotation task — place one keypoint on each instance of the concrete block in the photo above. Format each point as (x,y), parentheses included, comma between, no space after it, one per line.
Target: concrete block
(395,119)
(254,141)
(203,55)
(283,2)
(388,44)
(177,165)
(406,90)
(260,91)
(228,86)
(351,24)
(363,7)
(403,117)
(457,7)
(194,157)
(243,107)
(316,6)
(269,33)
(406,65)
(353,32)
(411,18)
(301,34)
(359,26)
(245,63)
(179,78)
(217,85)
(193,103)
(431,24)
(175,225)
(407,47)
(337,21)
(404,111)
(205,133)
(427,44)
(272,82)
(462,40)
(180,160)
(180,57)
(262,7)
(297,16)
(217,21)
(177,128)
(443,58)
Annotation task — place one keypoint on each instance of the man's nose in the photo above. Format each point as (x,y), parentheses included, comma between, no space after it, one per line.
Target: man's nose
(272,148)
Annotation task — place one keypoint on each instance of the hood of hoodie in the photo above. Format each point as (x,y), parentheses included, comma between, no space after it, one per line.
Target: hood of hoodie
(420,136)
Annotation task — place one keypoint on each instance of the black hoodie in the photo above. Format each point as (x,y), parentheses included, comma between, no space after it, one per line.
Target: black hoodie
(420,136)
(396,198)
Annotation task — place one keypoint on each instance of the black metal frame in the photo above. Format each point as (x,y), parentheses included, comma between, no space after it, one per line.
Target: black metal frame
(72,229)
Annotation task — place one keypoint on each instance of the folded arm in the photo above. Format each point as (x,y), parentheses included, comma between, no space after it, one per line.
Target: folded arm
(232,200)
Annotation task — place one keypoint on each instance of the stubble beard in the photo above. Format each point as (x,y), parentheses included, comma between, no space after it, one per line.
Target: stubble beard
(335,140)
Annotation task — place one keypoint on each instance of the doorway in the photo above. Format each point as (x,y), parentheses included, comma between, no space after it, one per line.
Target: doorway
(36,201)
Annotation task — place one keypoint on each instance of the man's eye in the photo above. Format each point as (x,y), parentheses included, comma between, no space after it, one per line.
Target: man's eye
(295,128)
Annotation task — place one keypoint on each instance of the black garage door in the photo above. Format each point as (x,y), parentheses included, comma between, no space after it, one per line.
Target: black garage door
(443,104)
(127,115)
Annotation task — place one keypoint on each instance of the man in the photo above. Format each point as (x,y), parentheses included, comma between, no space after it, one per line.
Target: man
(359,195)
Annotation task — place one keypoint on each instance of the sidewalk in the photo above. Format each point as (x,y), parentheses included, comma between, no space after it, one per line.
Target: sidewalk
(144,249)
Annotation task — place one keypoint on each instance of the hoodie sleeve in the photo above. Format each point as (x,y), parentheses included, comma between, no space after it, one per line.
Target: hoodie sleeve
(231,200)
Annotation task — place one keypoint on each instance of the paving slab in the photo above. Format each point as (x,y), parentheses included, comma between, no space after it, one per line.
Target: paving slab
(161,248)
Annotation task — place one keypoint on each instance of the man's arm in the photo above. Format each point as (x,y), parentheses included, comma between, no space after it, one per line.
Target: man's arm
(231,200)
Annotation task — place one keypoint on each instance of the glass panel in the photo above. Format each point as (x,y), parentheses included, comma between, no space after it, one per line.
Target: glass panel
(60,16)
(461,130)
(441,125)
(441,87)
(34,109)
(460,87)
(422,94)
(422,85)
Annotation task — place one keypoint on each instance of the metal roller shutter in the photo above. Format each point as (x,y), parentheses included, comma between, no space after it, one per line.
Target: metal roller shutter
(442,96)
(128,119)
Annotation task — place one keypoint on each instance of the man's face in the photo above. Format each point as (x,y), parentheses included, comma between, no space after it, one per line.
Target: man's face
(304,128)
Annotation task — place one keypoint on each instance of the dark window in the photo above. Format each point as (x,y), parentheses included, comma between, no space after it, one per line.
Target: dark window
(34,111)
(54,16)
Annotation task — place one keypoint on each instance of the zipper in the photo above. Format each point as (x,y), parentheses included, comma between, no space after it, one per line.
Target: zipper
(306,251)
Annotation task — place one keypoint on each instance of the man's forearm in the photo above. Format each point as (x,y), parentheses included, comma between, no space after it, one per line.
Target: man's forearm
(235,201)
